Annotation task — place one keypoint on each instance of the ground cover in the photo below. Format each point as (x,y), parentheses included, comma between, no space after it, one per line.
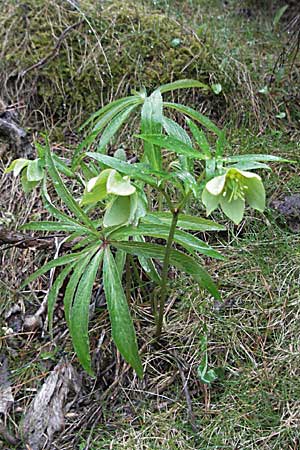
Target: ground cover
(252,335)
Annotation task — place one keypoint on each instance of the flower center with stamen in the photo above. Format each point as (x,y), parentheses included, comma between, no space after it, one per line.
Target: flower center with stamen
(234,187)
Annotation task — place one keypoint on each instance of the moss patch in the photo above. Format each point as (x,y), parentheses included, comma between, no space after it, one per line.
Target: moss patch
(114,48)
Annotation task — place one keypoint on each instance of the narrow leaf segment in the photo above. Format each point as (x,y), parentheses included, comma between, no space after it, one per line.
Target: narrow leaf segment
(123,332)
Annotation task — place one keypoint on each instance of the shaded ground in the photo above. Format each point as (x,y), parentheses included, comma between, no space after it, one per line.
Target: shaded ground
(253,334)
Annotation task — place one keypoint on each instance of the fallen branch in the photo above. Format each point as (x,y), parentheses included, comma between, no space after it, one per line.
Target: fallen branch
(22,240)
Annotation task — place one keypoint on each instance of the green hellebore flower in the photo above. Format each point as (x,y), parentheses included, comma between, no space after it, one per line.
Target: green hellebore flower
(231,191)
(32,172)
(109,181)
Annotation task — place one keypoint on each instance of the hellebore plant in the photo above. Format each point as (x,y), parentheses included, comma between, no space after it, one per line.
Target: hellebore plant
(119,205)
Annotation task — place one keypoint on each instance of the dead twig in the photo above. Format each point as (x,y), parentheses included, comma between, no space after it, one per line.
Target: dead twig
(191,415)
(22,240)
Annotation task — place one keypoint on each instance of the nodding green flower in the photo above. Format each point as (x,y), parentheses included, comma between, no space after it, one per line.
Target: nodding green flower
(231,191)
(109,181)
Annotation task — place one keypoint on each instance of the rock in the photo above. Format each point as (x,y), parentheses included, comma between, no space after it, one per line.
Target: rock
(289,208)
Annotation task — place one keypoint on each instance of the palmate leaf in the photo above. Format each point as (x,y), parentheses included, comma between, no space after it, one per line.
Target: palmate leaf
(61,261)
(123,332)
(182,261)
(113,127)
(49,226)
(199,137)
(185,221)
(186,240)
(79,316)
(54,291)
(59,214)
(254,157)
(63,192)
(79,268)
(147,264)
(173,144)
(63,167)
(195,115)
(173,129)
(121,102)
(110,115)
(151,122)
(106,116)
(132,170)
(82,242)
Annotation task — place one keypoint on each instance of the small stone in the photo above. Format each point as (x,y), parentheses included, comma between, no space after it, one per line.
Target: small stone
(32,323)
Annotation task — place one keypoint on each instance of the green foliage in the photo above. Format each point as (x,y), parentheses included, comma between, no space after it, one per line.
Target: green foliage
(121,323)
(129,215)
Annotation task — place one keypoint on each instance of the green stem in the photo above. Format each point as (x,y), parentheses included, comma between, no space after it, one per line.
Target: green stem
(163,192)
(128,279)
(164,277)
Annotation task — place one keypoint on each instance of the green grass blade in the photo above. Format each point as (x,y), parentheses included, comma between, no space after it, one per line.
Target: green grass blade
(195,115)
(79,320)
(182,261)
(185,221)
(123,332)
(182,84)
